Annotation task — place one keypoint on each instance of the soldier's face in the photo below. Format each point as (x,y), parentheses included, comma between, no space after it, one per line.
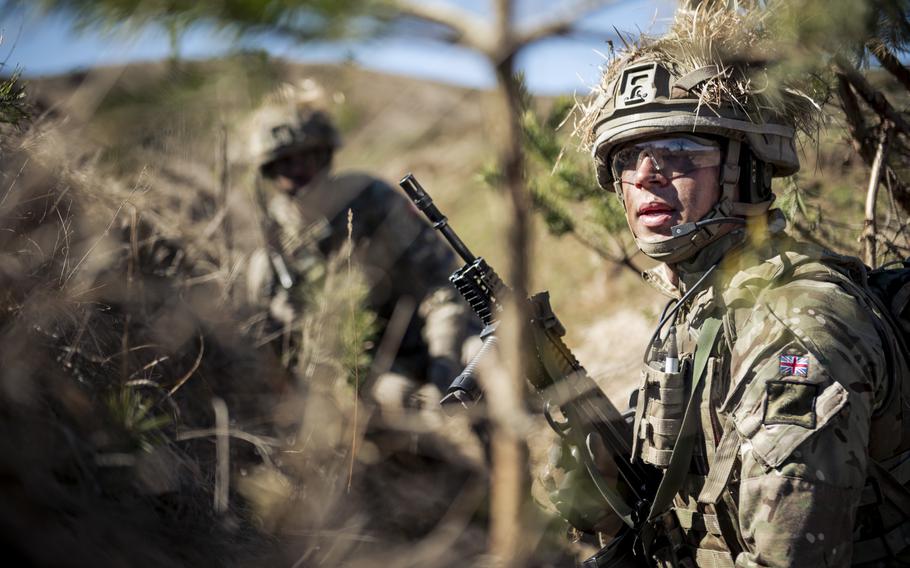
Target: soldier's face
(657,199)
(295,171)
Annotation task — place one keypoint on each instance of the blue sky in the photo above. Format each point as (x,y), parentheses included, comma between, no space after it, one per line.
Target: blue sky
(49,45)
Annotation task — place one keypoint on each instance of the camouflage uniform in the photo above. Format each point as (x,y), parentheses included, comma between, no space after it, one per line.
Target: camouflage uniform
(795,401)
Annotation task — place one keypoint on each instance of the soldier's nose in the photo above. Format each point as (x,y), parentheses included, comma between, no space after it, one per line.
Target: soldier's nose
(647,175)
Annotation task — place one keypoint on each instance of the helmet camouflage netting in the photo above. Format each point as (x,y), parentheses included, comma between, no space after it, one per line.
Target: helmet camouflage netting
(710,74)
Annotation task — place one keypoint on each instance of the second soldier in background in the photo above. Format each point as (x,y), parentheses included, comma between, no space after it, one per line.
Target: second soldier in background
(308,213)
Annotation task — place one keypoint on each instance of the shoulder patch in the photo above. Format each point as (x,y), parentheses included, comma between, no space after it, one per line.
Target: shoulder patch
(790,402)
(787,407)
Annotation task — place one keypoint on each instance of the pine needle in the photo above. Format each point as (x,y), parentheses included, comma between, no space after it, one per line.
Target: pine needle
(356,366)
(192,370)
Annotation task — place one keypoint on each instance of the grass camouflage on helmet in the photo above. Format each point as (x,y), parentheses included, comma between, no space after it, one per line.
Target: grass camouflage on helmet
(707,75)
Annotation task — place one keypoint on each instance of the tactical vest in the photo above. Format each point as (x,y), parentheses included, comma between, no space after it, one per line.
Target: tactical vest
(700,525)
(397,253)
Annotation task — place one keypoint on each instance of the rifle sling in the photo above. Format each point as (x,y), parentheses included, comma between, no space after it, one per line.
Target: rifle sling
(555,359)
(685,441)
(610,495)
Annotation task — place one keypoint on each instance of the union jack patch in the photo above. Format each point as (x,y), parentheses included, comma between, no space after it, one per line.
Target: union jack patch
(794,365)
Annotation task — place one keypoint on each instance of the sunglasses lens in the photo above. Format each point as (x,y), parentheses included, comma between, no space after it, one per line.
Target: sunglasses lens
(670,157)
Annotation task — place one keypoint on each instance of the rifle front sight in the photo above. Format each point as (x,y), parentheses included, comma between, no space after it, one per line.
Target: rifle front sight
(422,200)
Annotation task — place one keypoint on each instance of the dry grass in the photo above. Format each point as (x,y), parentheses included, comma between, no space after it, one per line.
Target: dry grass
(150,416)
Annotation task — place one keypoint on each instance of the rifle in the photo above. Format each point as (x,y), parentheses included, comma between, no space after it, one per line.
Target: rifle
(270,234)
(561,382)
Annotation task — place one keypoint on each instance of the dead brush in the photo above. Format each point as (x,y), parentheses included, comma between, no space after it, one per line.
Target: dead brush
(110,356)
(147,399)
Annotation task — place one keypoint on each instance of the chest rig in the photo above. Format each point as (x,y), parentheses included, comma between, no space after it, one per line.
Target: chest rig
(675,431)
(660,408)
(665,389)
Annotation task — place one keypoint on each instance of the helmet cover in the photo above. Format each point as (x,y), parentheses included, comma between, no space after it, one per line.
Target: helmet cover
(291,121)
(677,83)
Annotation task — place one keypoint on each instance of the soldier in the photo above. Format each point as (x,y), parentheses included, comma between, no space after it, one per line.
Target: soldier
(771,394)
(309,212)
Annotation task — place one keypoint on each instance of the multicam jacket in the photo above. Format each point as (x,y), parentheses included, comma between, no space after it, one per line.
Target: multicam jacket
(800,411)
(402,258)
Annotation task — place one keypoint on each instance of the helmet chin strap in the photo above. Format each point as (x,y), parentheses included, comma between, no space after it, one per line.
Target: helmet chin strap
(689,238)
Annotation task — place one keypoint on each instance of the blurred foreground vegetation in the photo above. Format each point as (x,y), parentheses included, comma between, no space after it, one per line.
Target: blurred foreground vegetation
(150,417)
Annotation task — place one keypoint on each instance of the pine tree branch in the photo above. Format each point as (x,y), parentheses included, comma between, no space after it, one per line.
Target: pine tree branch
(559,25)
(865,144)
(855,121)
(873,97)
(618,256)
(889,61)
(898,189)
(473,32)
(870,228)
(469,30)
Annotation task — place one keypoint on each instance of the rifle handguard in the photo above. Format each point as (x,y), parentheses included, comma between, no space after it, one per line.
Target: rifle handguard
(481,287)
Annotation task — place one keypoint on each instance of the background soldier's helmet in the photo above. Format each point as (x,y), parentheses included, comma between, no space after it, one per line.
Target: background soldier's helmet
(282,132)
(291,122)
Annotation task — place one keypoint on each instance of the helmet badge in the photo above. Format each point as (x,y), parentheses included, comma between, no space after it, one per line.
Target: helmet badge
(637,85)
(284,135)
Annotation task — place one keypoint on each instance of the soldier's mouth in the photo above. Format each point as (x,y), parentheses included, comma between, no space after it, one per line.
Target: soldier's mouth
(655,214)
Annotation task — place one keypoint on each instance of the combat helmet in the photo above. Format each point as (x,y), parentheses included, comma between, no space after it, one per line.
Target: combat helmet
(292,121)
(675,84)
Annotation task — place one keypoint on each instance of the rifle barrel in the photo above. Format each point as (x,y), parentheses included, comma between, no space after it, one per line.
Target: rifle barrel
(422,200)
